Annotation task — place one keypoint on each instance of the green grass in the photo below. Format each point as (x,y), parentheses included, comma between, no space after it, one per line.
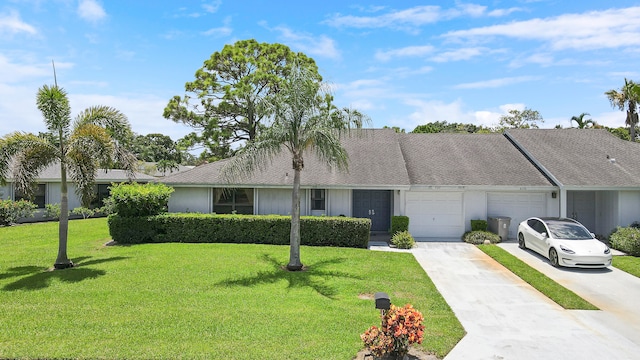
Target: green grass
(630,264)
(194,301)
(554,291)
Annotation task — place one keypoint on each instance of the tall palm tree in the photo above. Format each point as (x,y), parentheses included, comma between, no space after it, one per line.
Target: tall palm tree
(627,98)
(80,148)
(581,121)
(304,122)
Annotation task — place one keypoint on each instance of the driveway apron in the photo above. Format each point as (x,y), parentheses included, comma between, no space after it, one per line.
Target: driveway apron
(614,291)
(505,318)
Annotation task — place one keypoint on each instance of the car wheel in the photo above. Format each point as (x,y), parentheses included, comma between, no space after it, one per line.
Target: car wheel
(553,257)
(521,243)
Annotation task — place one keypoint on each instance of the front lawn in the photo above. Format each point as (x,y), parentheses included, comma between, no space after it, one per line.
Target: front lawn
(190,301)
(554,291)
(630,264)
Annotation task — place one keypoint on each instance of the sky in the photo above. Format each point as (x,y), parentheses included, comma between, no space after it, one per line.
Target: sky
(403,63)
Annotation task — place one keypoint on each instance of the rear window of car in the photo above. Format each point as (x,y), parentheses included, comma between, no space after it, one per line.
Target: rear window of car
(568,231)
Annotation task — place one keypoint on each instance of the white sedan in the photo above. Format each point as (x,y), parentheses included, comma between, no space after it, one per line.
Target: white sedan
(565,242)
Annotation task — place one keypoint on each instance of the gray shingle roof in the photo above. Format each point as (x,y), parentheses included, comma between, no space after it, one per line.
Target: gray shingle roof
(467,159)
(383,158)
(52,174)
(375,160)
(578,157)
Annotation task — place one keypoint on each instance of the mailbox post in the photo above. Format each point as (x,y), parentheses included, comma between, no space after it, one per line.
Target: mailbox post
(383,303)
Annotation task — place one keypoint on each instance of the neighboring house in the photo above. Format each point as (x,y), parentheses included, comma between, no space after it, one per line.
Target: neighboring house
(151,168)
(597,174)
(441,181)
(49,187)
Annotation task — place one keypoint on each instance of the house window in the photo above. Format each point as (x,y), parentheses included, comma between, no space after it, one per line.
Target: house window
(39,196)
(102,192)
(317,199)
(228,201)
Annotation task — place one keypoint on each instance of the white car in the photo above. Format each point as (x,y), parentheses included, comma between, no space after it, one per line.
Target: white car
(565,242)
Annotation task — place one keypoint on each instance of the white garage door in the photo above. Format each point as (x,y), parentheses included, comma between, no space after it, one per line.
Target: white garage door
(435,214)
(517,206)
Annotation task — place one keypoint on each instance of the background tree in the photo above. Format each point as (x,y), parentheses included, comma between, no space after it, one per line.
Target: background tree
(445,127)
(159,149)
(227,102)
(80,148)
(303,122)
(581,121)
(627,98)
(524,119)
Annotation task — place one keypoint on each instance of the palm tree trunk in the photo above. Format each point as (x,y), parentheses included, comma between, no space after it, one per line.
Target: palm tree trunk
(63,262)
(294,248)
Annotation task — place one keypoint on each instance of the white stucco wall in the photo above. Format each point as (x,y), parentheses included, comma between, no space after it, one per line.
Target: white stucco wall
(190,200)
(628,207)
(475,207)
(339,202)
(274,201)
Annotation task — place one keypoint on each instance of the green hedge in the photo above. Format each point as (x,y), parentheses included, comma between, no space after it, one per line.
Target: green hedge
(254,229)
(479,225)
(478,237)
(627,240)
(399,223)
(139,199)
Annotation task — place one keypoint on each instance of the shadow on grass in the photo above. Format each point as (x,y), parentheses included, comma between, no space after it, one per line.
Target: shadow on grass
(315,276)
(38,277)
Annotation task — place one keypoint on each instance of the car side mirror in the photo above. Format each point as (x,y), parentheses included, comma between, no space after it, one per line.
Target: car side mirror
(593,235)
(544,234)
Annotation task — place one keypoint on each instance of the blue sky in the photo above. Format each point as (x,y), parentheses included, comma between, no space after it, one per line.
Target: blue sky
(403,63)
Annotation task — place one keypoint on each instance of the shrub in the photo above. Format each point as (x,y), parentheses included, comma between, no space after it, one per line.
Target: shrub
(401,327)
(83,211)
(479,225)
(139,199)
(52,211)
(10,211)
(254,229)
(399,223)
(403,240)
(627,240)
(478,237)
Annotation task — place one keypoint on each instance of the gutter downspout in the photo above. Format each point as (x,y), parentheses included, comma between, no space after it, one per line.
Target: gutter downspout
(563,191)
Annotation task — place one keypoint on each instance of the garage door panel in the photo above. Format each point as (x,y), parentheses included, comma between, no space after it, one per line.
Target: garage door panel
(435,214)
(517,206)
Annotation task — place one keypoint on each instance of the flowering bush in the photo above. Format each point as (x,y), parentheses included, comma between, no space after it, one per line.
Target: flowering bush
(10,210)
(401,327)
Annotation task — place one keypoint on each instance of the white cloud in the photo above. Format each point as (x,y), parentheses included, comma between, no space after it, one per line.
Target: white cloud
(221,31)
(608,29)
(212,7)
(459,54)
(411,19)
(12,24)
(14,72)
(321,46)
(495,83)
(409,51)
(91,10)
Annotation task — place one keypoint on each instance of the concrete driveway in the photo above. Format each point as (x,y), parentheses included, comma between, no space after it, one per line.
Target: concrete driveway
(505,318)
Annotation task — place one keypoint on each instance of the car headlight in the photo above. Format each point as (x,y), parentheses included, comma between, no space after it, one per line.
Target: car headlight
(607,250)
(566,249)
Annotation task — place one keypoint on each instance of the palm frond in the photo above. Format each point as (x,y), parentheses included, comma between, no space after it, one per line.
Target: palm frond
(54,105)
(25,155)
(114,121)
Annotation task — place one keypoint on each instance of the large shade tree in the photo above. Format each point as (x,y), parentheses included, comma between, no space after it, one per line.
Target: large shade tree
(627,99)
(225,102)
(304,123)
(521,119)
(80,147)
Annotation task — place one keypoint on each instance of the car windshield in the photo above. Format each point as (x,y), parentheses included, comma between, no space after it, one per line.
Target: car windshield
(568,231)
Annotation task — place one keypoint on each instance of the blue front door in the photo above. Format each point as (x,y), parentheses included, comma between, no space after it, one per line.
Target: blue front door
(375,205)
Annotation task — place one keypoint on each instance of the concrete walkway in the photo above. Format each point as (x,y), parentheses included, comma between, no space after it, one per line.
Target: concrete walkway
(505,318)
